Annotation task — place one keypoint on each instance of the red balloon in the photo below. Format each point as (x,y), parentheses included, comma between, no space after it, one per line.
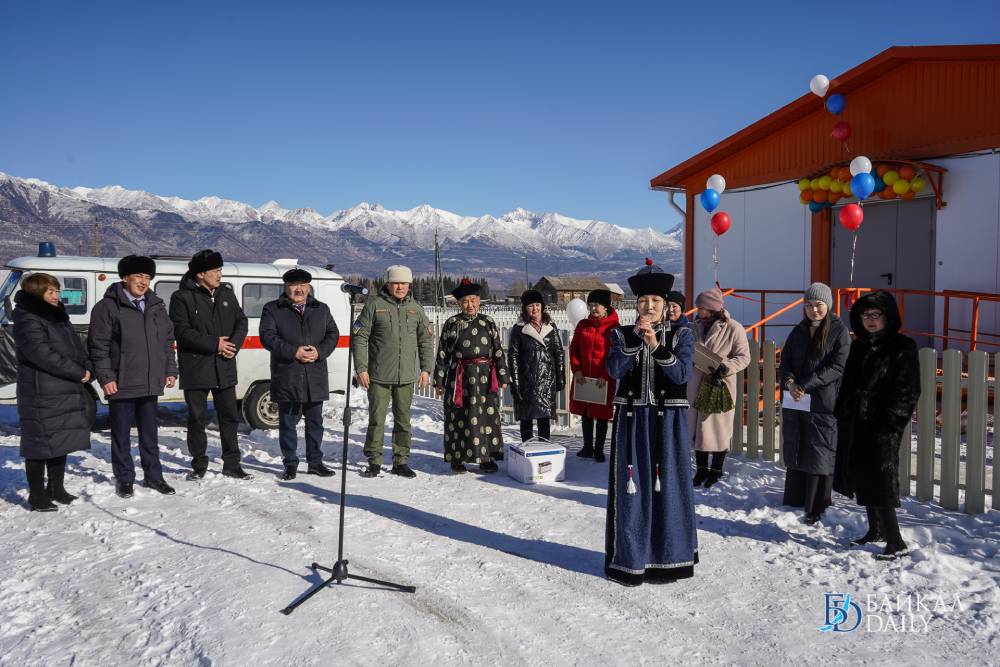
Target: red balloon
(841,131)
(720,223)
(851,217)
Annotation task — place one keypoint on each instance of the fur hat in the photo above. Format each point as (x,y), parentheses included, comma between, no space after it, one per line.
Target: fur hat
(296,275)
(710,299)
(678,298)
(136,264)
(651,279)
(205,260)
(601,296)
(819,292)
(531,296)
(398,274)
(466,288)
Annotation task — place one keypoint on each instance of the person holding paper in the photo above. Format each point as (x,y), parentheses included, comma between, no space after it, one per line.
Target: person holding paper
(537,368)
(588,353)
(812,365)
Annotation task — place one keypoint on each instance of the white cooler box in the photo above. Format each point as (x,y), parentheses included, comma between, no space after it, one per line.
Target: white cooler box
(536,461)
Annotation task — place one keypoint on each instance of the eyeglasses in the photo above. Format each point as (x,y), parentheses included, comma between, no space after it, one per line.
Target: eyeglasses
(872,316)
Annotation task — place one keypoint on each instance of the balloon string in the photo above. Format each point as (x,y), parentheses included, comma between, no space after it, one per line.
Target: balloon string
(854,246)
(715,258)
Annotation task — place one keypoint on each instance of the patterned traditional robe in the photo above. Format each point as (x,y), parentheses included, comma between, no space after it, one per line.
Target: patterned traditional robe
(471,347)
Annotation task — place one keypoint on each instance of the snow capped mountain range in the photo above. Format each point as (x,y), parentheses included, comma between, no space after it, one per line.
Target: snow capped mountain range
(365,232)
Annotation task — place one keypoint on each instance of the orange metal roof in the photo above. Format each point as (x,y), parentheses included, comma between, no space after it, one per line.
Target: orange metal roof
(908,102)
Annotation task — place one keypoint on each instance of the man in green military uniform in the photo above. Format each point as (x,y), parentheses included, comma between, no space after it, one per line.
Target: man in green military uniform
(388,335)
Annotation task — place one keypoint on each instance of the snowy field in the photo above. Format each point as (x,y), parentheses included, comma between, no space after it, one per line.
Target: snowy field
(506,574)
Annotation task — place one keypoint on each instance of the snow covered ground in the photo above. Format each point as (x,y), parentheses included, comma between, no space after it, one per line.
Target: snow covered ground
(505,573)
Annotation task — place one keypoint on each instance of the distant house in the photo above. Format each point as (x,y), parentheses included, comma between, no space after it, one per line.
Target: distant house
(617,293)
(559,290)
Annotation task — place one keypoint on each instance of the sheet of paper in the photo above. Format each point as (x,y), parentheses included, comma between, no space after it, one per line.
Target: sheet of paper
(588,391)
(791,404)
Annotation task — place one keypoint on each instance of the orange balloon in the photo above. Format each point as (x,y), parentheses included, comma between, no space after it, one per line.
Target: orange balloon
(819,196)
(807,195)
(834,197)
(907,172)
(908,195)
(888,193)
(835,173)
(845,174)
(803,200)
(881,169)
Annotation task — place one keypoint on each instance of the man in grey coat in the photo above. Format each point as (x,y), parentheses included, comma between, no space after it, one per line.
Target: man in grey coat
(131,342)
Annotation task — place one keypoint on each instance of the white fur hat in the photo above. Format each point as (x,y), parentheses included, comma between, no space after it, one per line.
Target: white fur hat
(398,274)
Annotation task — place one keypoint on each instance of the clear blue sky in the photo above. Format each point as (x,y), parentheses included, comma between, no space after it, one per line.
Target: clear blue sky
(475,107)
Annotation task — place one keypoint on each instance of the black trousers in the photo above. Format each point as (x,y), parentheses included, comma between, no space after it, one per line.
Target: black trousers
(812,492)
(588,433)
(34,470)
(123,415)
(229,420)
(288,418)
(543,429)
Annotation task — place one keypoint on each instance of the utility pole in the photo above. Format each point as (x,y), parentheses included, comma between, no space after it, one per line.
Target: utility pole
(97,240)
(527,280)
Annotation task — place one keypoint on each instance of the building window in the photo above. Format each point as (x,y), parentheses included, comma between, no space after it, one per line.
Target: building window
(255,295)
(165,289)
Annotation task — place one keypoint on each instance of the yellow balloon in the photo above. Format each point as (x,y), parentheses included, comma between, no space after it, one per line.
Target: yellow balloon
(890,177)
(836,186)
(847,189)
(824,182)
(814,184)
(804,184)
(918,184)
(900,186)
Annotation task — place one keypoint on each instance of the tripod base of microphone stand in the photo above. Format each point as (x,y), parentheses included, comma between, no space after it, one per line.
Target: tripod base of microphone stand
(338,573)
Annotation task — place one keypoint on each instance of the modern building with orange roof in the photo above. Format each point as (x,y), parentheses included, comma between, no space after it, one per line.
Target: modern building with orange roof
(928,113)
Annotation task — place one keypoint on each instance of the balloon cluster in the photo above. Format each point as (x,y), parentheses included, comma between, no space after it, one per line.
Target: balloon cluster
(887,182)
(714,187)
(835,104)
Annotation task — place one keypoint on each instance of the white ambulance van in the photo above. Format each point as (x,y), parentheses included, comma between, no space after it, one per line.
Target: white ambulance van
(85,279)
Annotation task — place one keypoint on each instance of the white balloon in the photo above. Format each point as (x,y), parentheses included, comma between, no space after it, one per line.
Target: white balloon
(716,182)
(819,85)
(577,311)
(860,165)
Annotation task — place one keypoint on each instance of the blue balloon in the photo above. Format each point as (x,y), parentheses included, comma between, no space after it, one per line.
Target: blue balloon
(815,206)
(709,200)
(862,185)
(835,103)
(879,184)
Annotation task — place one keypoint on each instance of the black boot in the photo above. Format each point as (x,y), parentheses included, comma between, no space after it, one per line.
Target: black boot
(895,547)
(715,472)
(874,533)
(602,435)
(38,500)
(588,439)
(57,474)
(701,474)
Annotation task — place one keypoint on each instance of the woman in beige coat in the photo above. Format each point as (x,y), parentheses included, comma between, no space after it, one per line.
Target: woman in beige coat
(727,338)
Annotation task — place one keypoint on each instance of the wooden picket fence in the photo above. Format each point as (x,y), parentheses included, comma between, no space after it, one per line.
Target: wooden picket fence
(936,465)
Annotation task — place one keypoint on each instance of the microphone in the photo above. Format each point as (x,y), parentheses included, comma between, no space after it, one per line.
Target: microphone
(353,289)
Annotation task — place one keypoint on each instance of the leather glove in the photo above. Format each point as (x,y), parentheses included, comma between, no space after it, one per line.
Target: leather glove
(716,376)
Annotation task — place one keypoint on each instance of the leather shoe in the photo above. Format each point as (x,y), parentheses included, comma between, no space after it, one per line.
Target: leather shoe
(373,470)
(458,467)
(237,473)
(124,490)
(488,467)
(586,453)
(290,472)
(319,469)
(161,486)
(403,470)
(196,474)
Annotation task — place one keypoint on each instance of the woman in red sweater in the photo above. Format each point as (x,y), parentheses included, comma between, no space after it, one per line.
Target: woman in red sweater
(587,353)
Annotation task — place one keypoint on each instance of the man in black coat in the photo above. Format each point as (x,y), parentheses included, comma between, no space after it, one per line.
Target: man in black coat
(210,327)
(879,391)
(300,334)
(131,342)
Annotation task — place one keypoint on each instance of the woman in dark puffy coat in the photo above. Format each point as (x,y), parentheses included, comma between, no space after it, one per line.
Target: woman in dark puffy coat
(588,355)
(536,364)
(53,407)
(879,391)
(812,364)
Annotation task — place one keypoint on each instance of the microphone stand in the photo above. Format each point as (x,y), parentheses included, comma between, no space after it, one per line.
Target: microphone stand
(338,573)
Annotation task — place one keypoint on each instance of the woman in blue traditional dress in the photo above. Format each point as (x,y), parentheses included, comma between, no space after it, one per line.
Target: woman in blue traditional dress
(651,531)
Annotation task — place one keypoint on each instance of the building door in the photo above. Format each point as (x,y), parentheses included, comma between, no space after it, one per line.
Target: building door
(895,248)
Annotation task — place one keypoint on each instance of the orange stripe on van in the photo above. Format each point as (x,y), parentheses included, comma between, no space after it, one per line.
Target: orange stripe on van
(253,343)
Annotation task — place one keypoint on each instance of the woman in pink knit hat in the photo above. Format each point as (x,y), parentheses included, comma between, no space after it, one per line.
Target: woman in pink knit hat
(715,329)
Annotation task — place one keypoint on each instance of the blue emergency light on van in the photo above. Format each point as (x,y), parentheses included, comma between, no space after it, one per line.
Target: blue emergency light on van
(46,249)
